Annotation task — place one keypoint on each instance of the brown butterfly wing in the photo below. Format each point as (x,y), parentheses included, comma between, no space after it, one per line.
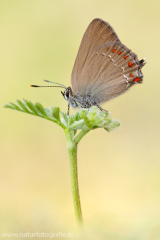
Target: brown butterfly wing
(104,67)
(97,33)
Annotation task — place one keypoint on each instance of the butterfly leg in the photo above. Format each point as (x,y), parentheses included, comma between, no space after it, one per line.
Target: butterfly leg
(91,103)
(101,108)
(68,108)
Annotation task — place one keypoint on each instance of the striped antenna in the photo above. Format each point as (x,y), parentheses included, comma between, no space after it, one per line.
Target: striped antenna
(46,86)
(61,85)
(55,83)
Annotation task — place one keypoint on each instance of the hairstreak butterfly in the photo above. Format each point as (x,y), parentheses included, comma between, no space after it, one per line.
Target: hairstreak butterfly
(104,68)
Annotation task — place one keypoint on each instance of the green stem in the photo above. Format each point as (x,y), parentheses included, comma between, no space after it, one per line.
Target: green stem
(80,135)
(72,150)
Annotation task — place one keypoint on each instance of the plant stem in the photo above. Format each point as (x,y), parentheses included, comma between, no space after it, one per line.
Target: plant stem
(72,150)
(80,135)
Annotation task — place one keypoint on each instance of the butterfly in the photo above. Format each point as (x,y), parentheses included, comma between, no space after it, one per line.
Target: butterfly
(104,68)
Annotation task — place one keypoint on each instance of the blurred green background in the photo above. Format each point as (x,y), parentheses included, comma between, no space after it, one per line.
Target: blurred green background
(119,172)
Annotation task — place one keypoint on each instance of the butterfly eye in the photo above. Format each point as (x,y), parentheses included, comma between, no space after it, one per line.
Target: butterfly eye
(67,94)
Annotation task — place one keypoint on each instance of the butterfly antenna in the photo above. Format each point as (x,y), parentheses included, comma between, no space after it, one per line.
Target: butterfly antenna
(46,86)
(55,83)
(61,85)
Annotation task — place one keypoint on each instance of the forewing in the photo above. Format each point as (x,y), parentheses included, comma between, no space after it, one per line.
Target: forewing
(97,34)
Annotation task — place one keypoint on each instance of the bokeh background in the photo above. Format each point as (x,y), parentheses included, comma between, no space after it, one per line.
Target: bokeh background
(119,172)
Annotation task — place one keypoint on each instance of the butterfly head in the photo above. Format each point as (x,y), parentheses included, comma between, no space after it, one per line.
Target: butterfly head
(68,95)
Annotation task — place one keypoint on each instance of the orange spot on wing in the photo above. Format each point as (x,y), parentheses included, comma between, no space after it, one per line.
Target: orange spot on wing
(125,57)
(131,75)
(130,64)
(119,53)
(136,79)
(113,50)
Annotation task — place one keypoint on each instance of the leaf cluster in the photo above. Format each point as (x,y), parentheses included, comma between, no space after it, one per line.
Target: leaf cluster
(83,119)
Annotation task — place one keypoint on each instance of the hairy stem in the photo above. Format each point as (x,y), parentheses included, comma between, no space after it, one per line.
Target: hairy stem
(80,135)
(72,150)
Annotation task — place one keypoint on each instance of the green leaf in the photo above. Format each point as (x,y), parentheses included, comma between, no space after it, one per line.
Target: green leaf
(48,112)
(77,124)
(22,105)
(14,106)
(113,124)
(84,119)
(71,119)
(64,120)
(40,109)
(31,106)
(83,113)
(37,110)
(77,116)
(8,106)
(107,122)
(55,113)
